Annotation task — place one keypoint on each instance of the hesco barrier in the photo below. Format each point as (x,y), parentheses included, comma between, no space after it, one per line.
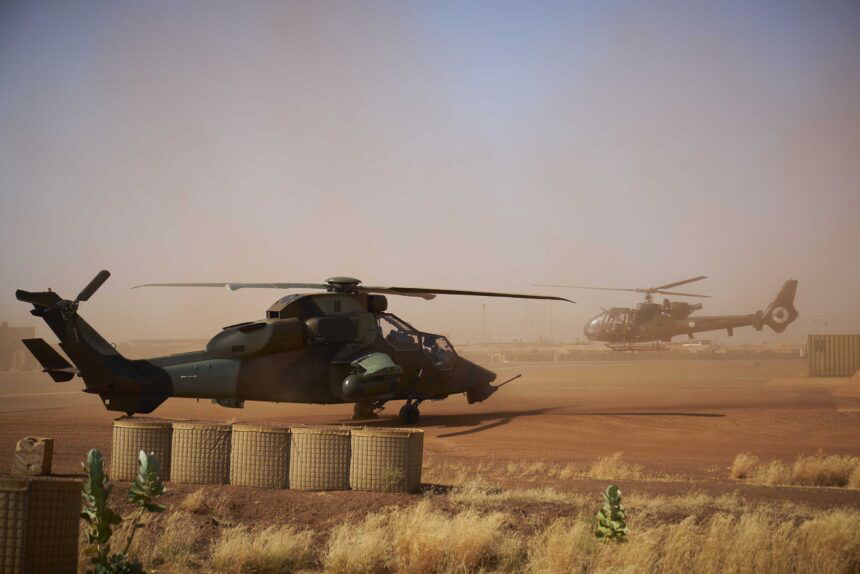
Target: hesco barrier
(386,460)
(53,522)
(833,355)
(200,452)
(130,436)
(260,456)
(319,458)
(13,524)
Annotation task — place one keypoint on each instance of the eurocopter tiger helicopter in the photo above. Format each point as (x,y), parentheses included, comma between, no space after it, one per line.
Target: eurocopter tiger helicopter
(624,329)
(336,346)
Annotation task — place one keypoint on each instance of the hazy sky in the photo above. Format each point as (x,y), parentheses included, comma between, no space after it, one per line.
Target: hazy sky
(485,145)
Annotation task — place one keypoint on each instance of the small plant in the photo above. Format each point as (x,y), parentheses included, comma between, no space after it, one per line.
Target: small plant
(392,478)
(611,524)
(101,519)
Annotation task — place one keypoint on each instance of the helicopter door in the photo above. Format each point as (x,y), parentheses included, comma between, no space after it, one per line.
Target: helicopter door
(618,322)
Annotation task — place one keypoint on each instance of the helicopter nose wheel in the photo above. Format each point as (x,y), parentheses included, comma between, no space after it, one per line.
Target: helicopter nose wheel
(409,412)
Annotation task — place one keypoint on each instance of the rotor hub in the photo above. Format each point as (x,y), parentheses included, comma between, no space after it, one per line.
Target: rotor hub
(343,284)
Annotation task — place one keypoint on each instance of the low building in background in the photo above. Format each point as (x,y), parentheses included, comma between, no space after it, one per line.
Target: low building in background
(13,353)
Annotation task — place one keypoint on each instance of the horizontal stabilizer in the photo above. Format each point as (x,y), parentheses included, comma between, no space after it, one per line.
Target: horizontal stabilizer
(52,362)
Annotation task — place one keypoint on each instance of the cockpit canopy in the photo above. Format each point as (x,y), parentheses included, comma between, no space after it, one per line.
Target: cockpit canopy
(403,337)
(610,320)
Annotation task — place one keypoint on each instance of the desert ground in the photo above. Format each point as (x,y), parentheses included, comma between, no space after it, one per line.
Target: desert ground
(538,453)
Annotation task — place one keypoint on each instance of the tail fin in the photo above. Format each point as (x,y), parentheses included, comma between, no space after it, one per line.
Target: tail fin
(781,312)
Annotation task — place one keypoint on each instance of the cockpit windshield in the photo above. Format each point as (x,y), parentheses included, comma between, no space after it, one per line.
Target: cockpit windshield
(592,328)
(403,337)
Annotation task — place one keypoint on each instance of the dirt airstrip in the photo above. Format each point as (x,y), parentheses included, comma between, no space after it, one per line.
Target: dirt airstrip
(531,452)
(677,418)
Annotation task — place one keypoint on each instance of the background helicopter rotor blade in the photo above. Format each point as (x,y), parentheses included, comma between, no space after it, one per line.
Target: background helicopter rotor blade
(678,283)
(680,294)
(93,285)
(647,291)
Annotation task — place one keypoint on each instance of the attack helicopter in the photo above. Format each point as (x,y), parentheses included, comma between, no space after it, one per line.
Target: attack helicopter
(336,345)
(649,324)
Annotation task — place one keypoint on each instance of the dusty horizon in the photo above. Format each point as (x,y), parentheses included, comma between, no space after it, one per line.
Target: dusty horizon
(439,145)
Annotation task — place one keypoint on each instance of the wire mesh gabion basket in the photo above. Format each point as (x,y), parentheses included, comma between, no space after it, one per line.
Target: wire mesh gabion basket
(132,435)
(14,496)
(386,460)
(319,458)
(200,452)
(260,456)
(53,525)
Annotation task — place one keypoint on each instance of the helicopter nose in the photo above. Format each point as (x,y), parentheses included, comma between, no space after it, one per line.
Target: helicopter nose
(473,374)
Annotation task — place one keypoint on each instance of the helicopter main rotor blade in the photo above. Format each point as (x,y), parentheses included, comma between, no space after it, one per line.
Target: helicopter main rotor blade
(235,286)
(387,291)
(584,287)
(423,291)
(680,294)
(678,283)
(404,291)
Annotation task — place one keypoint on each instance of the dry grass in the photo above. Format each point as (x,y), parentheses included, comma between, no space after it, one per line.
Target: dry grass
(611,467)
(465,532)
(823,470)
(476,491)
(854,480)
(195,502)
(421,540)
(175,545)
(744,465)
(755,541)
(276,549)
(816,470)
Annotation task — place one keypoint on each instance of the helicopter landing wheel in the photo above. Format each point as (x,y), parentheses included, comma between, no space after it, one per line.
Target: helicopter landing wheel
(409,413)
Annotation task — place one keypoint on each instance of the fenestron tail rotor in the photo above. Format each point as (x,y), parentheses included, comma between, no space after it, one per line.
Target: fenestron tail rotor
(352,285)
(648,291)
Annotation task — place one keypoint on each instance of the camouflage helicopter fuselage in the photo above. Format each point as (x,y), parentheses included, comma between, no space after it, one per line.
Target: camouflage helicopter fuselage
(311,348)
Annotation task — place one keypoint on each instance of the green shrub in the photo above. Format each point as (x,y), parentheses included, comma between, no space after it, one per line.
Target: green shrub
(100,519)
(611,524)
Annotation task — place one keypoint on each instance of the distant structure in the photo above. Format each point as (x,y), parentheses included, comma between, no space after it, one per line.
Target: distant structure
(13,354)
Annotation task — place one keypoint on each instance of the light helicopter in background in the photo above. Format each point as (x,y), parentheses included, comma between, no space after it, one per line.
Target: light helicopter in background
(650,324)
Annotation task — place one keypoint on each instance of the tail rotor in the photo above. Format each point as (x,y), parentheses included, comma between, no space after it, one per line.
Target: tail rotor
(781,312)
(92,286)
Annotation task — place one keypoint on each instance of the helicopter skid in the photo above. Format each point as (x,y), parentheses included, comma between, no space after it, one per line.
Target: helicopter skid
(639,347)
